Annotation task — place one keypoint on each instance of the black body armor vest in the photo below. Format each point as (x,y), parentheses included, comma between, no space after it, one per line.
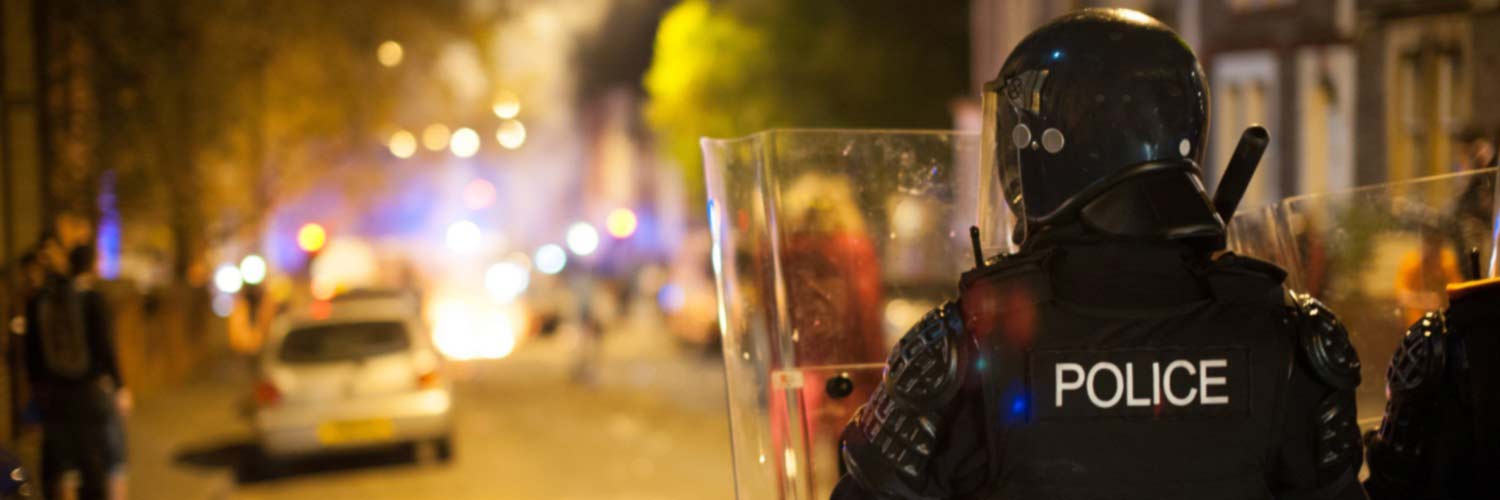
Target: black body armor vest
(1181,399)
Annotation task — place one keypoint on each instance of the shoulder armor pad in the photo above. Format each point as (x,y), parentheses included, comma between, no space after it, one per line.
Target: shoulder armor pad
(889,443)
(1325,343)
(1332,359)
(1419,360)
(1397,454)
(924,370)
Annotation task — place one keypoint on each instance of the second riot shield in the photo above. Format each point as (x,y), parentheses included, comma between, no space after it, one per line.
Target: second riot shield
(1378,256)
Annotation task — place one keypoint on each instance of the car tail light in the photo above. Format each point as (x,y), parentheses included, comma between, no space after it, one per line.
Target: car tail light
(266,395)
(428,380)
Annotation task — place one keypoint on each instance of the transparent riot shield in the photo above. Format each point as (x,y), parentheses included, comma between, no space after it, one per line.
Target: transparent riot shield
(827,245)
(1378,256)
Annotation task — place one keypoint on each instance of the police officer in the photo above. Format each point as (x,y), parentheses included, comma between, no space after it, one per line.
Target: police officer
(1438,437)
(1118,354)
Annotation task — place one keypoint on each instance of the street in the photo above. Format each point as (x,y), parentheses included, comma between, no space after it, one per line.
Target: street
(654,428)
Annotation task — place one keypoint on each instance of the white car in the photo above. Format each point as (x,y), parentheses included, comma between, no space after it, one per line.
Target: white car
(354,375)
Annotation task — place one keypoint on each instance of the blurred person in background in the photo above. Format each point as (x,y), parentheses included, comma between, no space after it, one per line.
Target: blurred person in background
(75,378)
(587,302)
(33,276)
(1474,208)
(833,275)
(1424,274)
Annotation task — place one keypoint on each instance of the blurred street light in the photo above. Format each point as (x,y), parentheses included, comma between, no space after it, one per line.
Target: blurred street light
(389,53)
(465,142)
(550,259)
(463,236)
(435,137)
(478,193)
(506,105)
(227,279)
(311,237)
(253,269)
(620,223)
(582,238)
(506,280)
(511,134)
(403,144)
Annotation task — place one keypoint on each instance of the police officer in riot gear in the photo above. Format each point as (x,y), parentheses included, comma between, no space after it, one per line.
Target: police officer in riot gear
(1438,438)
(1119,353)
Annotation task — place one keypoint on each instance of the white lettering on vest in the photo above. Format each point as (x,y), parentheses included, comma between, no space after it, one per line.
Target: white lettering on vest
(1167,383)
(1073,376)
(1068,386)
(1155,383)
(1205,381)
(1130,399)
(1093,382)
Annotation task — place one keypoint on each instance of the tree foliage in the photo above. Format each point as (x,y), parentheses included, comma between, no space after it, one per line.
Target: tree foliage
(729,68)
(211,111)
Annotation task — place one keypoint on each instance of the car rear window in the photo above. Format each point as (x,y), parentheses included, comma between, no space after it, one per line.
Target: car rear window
(344,342)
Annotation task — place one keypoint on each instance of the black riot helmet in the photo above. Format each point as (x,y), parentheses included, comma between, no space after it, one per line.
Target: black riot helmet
(1098,120)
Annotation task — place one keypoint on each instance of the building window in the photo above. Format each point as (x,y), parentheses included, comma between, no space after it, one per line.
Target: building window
(1428,97)
(1325,79)
(1245,92)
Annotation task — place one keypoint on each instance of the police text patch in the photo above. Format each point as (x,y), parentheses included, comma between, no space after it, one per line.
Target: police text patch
(1139,383)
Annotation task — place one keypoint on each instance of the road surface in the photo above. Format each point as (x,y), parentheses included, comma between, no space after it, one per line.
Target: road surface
(654,428)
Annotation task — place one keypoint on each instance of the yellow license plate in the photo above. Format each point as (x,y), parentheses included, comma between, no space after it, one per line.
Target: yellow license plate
(355,431)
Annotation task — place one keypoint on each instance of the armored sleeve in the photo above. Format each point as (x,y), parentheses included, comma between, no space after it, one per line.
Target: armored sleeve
(918,435)
(1320,456)
(1400,452)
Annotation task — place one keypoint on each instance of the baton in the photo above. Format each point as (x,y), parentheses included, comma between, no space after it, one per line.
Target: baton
(1240,171)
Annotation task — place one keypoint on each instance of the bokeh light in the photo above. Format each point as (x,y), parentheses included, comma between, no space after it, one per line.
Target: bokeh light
(227,279)
(311,236)
(323,288)
(478,193)
(463,236)
(550,259)
(253,269)
(506,105)
(582,238)
(511,134)
(620,223)
(909,218)
(223,305)
(435,137)
(462,330)
(402,144)
(671,297)
(390,53)
(506,280)
(464,143)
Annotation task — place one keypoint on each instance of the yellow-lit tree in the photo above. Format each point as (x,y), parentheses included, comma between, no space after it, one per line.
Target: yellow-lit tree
(728,68)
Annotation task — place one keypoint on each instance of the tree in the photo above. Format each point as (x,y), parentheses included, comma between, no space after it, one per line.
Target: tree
(729,68)
(211,111)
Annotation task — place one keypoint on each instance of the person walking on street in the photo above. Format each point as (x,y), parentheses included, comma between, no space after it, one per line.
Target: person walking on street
(76,380)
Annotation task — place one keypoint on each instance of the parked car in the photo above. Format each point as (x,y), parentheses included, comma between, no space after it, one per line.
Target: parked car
(355,375)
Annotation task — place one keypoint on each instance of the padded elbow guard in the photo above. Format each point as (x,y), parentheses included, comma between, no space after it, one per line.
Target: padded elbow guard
(893,436)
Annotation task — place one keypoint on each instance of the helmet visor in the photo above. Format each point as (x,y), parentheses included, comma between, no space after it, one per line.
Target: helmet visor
(1000,181)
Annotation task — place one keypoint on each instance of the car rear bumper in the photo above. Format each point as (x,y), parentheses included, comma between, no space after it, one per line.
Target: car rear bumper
(303,428)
